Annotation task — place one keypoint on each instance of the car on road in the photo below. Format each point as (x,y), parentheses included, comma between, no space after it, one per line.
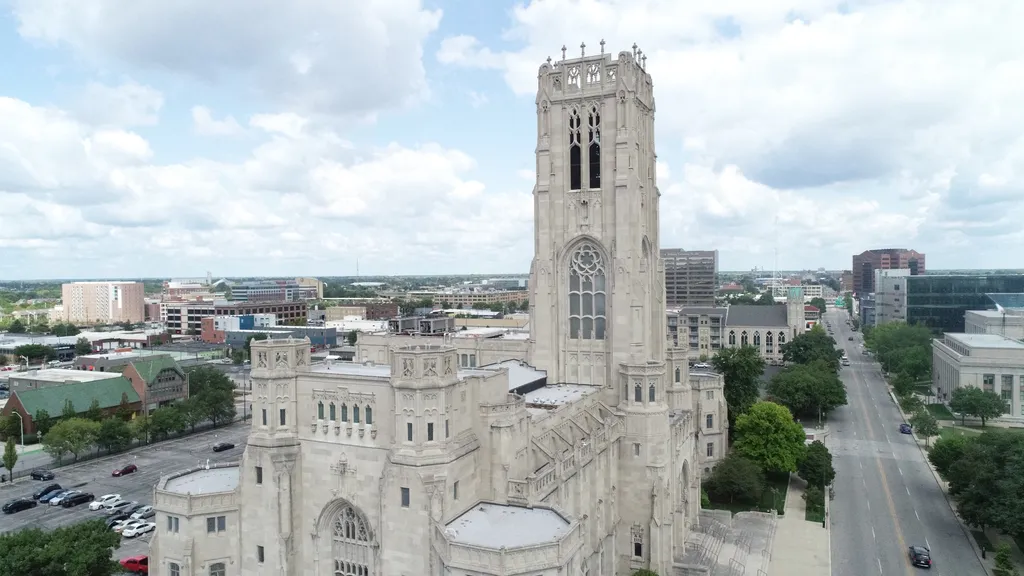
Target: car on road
(125,470)
(136,564)
(850,338)
(103,501)
(45,490)
(845,361)
(138,529)
(906,429)
(18,504)
(42,474)
(79,498)
(920,556)
(144,512)
(222,446)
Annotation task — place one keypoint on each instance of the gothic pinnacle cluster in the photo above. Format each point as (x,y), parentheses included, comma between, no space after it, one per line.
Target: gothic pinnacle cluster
(638,55)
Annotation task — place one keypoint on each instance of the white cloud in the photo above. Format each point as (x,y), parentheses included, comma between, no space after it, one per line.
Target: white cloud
(317,56)
(205,124)
(477,99)
(128,104)
(815,103)
(300,193)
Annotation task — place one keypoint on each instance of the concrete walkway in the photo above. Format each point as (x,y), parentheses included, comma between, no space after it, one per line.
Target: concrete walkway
(801,547)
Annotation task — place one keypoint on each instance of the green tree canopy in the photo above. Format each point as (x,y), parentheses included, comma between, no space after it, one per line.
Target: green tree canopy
(816,466)
(62,329)
(10,457)
(165,421)
(925,425)
(742,369)
(80,549)
(814,344)
(902,348)
(948,450)
(71,436)
(83,346)
(820,304)
(248,342)
(767,435)
(16,327)
(811,389)
(735,479)
(36,352)
(94,413)
(987,480)
(971,401)
(1004,561)
(114,435)
(352,337)
(213,394)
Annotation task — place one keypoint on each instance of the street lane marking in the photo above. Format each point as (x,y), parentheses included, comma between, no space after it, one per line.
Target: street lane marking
(918,516)
(926,544)
(907,489)
(879,560)
(873,533)
(898,468)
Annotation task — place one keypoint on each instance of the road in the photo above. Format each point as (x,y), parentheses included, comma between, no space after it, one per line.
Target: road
(886,497)
(154,461)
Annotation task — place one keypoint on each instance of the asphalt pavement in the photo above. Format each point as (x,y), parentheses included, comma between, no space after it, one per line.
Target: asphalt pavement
(94,476)
(886,497)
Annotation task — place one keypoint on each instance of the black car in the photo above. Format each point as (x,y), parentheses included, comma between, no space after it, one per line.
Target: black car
(222,446)
(920,556)
(45,490)
(42,474)
(115,518)
(18,504)
(76,500)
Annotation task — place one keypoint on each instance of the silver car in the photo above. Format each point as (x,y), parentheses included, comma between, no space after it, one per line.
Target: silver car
(60,498)
(144,513)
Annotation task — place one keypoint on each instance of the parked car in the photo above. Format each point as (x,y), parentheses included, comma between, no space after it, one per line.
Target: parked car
(56,499)
(125,470)
(103,501)
(138,529)
(135,508)
(222,446)
(45,498)
(18,504)
(79,498)
(120,507)
(42,474)
(144,512)
(920,556)
(127,522)
(136,564)
(118,517)
(45,490)
(906,429)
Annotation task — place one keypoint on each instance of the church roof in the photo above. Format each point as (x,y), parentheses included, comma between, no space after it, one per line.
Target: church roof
(754,315)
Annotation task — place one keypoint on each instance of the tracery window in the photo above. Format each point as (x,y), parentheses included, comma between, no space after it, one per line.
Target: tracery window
(782,338)
(352,544)
(594,164)
(651,394)
(732,337)
(320,410)
(586,294)
(344,413)
(369,415)
(757,338)
(334,412)
(218,569)
(743,338)
(769,341)
(355,414)
(575,154)
(638,393)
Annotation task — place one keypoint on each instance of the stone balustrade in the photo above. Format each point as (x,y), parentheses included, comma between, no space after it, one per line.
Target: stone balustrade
(527,559)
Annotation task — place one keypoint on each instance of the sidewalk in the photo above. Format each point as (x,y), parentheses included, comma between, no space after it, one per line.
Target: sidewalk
(801,547)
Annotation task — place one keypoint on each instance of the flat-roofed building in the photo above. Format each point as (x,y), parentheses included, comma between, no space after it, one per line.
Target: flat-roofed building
(103,302)
(987,361)
(1009,322)
(691,277)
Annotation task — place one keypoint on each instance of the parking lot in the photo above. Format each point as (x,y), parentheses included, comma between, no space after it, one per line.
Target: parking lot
(94,476)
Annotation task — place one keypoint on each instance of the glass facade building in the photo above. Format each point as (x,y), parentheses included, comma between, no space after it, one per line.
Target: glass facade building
(939,302)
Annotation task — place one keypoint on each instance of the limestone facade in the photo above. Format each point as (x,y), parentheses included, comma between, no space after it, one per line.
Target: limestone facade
(572,451)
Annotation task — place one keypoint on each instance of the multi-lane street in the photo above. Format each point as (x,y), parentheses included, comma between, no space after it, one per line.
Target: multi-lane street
(886,497)
(94,476)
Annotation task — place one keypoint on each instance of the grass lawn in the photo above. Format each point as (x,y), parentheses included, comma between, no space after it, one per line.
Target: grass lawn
(769,500)
(945,432)
(940,412)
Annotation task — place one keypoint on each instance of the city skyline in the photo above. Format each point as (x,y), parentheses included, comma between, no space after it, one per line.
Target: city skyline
(131,148)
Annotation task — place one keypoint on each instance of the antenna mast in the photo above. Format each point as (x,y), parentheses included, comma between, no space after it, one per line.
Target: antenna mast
(776,289)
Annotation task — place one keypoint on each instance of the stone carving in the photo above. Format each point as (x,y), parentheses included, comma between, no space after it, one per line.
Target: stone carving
(280,359)
(594,73)
(574,76)
(448,370)
(430,397)
(407,368)
(556,84)
(430,367)
(261,359)
(301,359)
(408,397)
(609,74)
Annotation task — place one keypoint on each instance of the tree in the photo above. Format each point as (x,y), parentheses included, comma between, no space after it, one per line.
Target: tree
(971,401)
(765,299)
(814,344)
(80,549)
(72,436)
(237,357)
(3,359)
(816,466)
(69,410)
(10,426)
(811,389)
(767,435)
(139,428)
(192,412)
(16,327)
(214,394)
(948,450)
(1004,561)
(352,337)
(10,456)
(820,304)
(925,425)
(43,421)
(987,479)
(165,421)
(114,435)
(742,369)
(36,352)
(735,479)
(94,413)
(62,329)
(814,496)
(83,346)
(901,348)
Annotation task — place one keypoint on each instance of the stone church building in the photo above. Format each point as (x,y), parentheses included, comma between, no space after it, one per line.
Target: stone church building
(578,452)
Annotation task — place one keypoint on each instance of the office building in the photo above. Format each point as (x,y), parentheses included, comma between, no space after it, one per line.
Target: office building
(691,277)
(941,302)
(990,362)
(272,290)
(103,302)
(215,328)
(865,264)
(187,317)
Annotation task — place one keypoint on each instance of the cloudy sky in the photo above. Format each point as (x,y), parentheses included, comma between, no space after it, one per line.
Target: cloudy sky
(262,137)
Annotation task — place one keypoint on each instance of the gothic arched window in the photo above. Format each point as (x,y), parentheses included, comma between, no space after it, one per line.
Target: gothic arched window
(782,338)
(369,415)
(743,338)
(320,410)
(355,414)
(586,294)
(768,340)
(344,413)
(757,338)
(594,164)
(352,544)
(732,337)
(650,393)
(575,154)
(218,569)
(334,412)
(638,393)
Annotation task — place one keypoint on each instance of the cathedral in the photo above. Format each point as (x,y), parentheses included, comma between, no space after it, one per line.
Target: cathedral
(575,449)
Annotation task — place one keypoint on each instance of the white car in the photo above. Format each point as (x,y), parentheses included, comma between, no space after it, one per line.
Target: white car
(138,529)
(123,525)
(143,513)
(103,501)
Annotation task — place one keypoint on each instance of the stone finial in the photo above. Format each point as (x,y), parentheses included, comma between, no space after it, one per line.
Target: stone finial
(645,62)
(634,49)
(583,49)
(549,60)
(563,52)
(602,45)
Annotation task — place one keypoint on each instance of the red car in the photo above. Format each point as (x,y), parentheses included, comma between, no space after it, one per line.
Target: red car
(126,470)
(136,564)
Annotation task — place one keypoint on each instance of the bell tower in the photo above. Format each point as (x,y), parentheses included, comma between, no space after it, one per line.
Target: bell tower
(597,292)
